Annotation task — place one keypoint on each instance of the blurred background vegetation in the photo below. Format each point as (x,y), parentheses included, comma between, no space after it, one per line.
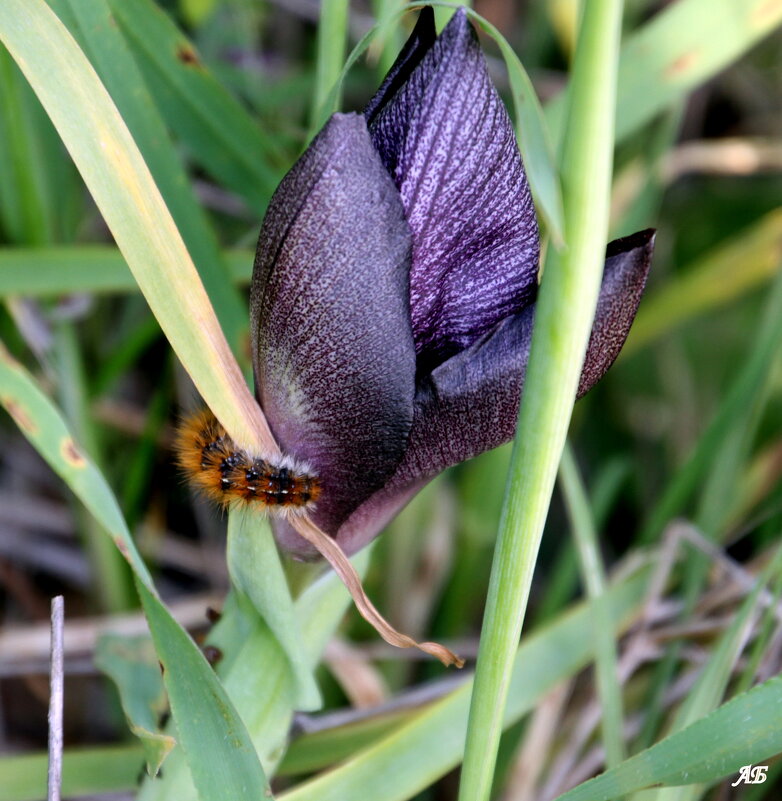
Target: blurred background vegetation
(219,95)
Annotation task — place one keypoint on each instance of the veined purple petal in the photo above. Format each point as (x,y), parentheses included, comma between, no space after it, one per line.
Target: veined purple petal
(333,351)
(446,139)
(470,403)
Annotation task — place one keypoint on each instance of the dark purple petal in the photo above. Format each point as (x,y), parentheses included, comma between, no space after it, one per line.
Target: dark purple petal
(446,139)
(420,40)
(470,403)
(333,351)
(627,264)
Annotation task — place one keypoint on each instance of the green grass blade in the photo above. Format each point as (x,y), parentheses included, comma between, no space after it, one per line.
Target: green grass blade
(26,197)
(745,731)
(131,663)
(331,43)
(113,586)
(51,271)
(120,183)
(220,754)
(36,184)
(216,129)
(711,686)
(223,760)
(41,195)
(569,291)
(763,639)
(257,573)
(712,683)
(139,481)
(432,743)
(42,424)
(744,390)
(102,41)
(123,355)
(314,752)
(258,679)
(593,575)
(717,463)
(332,99)
(681,48)
(390,37)
(711,283)
(85,771)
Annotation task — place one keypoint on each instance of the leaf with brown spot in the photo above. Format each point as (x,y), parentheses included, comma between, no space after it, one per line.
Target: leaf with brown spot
(72,455)
(187,55)
(682,65)
(21,418)
(222,759)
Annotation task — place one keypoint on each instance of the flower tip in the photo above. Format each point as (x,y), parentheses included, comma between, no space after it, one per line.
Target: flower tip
(415,49)
(628,260)
(343,123)
(459,25)
(426,21)
(639,240)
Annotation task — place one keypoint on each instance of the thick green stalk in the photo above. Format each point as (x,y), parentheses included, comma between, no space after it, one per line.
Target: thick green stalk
(593,575)
(563,321)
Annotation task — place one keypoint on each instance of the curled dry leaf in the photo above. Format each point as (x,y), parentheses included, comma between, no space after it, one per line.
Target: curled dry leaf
(347,573)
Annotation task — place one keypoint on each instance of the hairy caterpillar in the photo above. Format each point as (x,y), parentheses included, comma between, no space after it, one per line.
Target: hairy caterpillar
(226,473)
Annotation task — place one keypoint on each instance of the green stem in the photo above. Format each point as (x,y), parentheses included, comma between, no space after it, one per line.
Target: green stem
(593,574)
(569,292)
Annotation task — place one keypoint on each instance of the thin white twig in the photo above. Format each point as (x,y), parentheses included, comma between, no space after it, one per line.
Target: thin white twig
(56,685)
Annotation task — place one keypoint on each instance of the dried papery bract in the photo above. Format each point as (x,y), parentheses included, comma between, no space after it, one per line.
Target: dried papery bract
(347,573)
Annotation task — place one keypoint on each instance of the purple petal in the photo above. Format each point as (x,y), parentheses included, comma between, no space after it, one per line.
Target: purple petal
(627,264)
(415,48)
(446,139)
(470,403)
(333,351)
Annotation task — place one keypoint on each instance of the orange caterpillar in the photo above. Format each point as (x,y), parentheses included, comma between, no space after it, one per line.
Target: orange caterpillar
(225,473)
